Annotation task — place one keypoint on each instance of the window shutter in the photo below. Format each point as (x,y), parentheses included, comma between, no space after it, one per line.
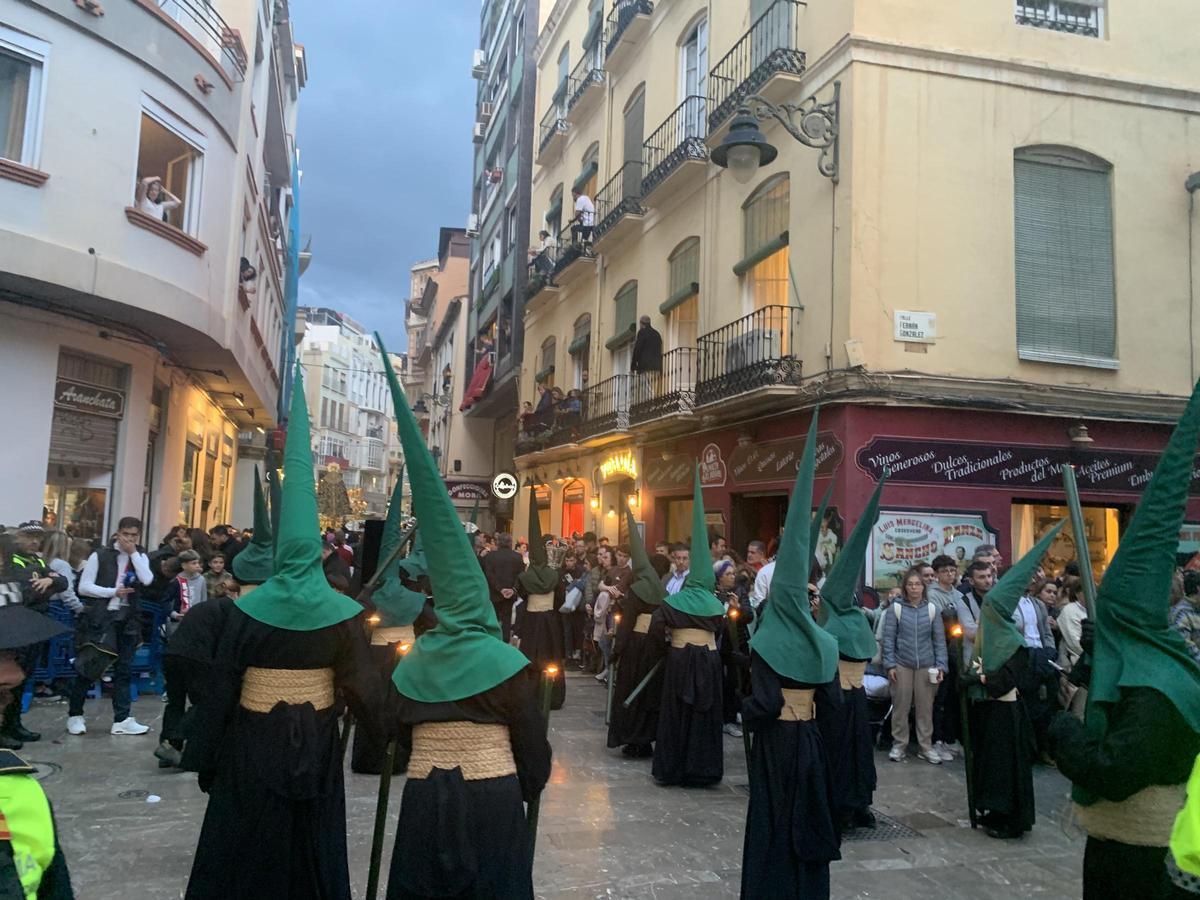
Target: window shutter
(1066,306)
(625,323)
(766,215)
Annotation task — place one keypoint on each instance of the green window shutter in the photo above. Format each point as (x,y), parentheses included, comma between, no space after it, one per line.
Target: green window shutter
(590,169)
(582,336)
(766,214)
(1066,304)
(625,322)
(595,24)
(748,262)
(685,267)
(681,296)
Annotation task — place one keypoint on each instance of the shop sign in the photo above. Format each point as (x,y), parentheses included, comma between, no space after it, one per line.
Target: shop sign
(1008,466)
(914,327)
(504,485)
(773,461)
(1189,539)
(712,467)
(468,490)
(900,539)
(621,464)
(88,398)
(669,474)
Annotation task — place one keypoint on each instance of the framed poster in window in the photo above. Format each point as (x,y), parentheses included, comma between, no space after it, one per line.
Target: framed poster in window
(902,538)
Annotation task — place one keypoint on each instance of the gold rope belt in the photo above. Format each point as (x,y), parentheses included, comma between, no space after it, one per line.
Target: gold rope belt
(262,689)
(399,634)
(1143,819)
(480,751)
(797,705)
(642,625)
(695,637)
(850,673)
(540,602)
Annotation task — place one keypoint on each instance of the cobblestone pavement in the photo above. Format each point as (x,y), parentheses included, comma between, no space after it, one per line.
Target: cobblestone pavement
(606,829)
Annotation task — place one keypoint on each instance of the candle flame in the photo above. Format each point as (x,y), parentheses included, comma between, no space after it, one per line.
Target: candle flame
(551,671)
(373,620)
(733,614)
(403,648)
(956,631)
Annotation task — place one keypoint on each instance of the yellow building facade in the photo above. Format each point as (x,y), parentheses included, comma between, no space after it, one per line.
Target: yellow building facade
(987,274)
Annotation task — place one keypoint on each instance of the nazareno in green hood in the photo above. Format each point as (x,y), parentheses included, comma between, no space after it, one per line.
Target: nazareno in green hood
(540,577)
(698,596)
(256,563)
(396,604)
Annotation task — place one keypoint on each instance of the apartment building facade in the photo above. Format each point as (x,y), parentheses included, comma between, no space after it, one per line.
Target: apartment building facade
(145,332)
(969,272)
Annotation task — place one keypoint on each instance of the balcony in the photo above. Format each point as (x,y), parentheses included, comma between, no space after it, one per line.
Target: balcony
(206,30)
(1083,19)
(750,353)
(539,284)
(605,408)
(585,87)
(619,207)
(627,26)
(671,392)
(571,249)
(552,132)
(766,60)
(676,156)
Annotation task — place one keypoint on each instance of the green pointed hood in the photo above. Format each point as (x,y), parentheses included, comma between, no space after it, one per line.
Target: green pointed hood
(698,596)
(415,564)
(474,519)
(297,597)
(539,578)
(998,637)
(256,563)
(646,584)
(814,531)
(463,654)
(787,638)
(838,613)
(274,494)
(397,605)
(1135,645)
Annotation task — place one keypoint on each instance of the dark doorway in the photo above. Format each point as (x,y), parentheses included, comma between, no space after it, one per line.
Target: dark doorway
(755,517)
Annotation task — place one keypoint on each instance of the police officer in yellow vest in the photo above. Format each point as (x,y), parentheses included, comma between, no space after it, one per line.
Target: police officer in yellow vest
(32,866)
(1183,860)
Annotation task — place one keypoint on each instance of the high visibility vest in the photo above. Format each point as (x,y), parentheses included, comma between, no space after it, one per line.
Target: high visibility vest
(1185,836)
(25,822)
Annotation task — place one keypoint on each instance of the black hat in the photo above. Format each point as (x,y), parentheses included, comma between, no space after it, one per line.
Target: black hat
(20,626)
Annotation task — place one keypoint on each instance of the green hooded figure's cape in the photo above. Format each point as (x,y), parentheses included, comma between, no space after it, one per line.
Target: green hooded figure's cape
(698,596)
(787,638)
(1134,644)
(256,563)
(838,613)
(297,597)
(539,578)
(397,605)
(415,564)
(998,637)
(646,584)
(463,654)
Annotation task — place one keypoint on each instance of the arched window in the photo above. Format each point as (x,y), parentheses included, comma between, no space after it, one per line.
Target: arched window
(764,265)
(564,74)
(553,217)
(545,374)
(580,350)
(541,493)
(572,508)
(588,171)
(625,313)
(693,63)
(1066,293)
(682,306)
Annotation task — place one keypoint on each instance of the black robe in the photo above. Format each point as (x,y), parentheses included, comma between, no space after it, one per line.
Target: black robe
(791,833)
(637,725)
(1147,742)
(689,746)
(276,819)
(541,637)
(847,735)
(1004,748)
(468,839)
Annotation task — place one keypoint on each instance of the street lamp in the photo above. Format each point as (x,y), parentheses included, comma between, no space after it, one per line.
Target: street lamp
(745,148)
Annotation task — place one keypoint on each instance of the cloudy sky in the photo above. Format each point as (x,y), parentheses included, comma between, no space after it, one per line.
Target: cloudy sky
(385,146)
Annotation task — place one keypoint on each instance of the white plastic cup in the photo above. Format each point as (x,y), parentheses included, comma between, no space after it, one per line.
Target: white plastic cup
(933,674)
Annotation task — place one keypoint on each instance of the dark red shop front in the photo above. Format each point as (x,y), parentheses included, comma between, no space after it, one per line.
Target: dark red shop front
(958,478)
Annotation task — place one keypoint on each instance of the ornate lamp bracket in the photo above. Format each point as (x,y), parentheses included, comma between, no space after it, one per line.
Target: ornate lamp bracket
(811,122)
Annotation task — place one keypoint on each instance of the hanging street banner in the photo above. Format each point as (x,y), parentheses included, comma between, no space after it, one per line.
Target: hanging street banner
(900,539)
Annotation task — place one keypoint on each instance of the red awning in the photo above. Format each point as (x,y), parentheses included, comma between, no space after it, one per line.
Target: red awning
(478,387)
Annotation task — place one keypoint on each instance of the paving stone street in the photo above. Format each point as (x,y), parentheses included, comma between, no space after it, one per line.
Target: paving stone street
(606,829)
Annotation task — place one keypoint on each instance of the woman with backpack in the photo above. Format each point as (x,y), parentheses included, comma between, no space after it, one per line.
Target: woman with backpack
(914,656)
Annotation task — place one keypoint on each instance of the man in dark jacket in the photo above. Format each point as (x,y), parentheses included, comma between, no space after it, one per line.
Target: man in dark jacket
(501,568)
(647,348)
(225,539)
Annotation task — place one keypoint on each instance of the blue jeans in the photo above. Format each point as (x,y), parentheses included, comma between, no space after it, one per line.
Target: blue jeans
(121,675)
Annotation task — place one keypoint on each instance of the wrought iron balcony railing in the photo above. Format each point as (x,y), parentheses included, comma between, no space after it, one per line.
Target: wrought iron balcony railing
(755,351)
(621,196)
(588,73)
(673,390)
(1060,15)
(620,17)
(678,139)
(553,122)
(200,19)
(771,46)
(573,245)
(605,407)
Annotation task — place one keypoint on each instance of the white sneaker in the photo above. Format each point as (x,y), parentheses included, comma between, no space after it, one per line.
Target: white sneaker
(76,725)
(129,725)
(943,752)
(732,730)
(930,756)
(896,754)
(603,677)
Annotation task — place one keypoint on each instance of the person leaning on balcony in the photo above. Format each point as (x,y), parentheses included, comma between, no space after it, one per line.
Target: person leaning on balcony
(154,199)
(585,217)
(543,253)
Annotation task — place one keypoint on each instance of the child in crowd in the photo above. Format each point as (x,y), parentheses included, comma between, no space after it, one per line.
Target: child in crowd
(220,581)
(187,589)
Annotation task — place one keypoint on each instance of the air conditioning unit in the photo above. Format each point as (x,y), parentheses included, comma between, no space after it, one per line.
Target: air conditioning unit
(473,225)
(755,346)
(479,132)
(485,112)
(479,64)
